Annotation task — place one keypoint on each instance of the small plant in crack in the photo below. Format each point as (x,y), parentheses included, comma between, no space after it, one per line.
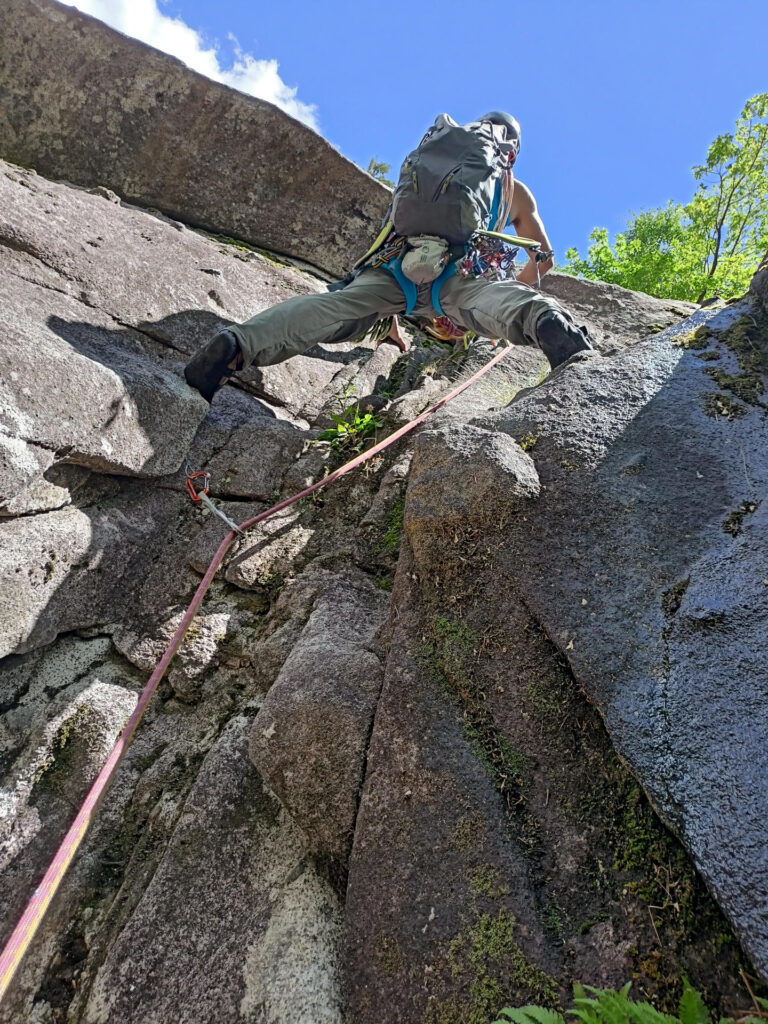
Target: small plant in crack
(351,428)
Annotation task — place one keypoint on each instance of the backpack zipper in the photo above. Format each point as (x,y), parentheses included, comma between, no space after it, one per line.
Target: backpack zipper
(444,183)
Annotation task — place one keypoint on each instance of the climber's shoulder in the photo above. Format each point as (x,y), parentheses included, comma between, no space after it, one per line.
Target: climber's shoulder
(523,199)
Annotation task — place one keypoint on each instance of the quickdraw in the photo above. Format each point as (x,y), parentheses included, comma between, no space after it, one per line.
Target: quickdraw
(491,255)
(489,258)
(202,496)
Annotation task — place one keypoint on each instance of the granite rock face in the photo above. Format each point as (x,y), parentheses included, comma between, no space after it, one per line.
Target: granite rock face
(310,735)
(163,136)
(646,561)
(233,847)
(759,285)
(614,315)
(371,786)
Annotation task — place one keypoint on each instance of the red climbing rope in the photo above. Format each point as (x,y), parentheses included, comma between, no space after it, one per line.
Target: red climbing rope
(25,930)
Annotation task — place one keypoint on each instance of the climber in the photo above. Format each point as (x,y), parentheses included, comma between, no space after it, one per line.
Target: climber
(426,263)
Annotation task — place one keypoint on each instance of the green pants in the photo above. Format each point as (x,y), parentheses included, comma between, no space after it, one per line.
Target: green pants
(495,309)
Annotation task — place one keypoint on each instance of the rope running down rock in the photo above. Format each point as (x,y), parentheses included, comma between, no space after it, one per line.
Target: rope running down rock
(25,930)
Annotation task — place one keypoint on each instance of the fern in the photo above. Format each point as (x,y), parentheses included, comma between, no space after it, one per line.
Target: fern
(692,1008)
(607,1006)
(530,1015)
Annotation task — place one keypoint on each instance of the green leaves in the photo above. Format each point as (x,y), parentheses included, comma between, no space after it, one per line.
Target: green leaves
(607,1006)
(709,246)
(530,1015)
(692,1008)
(351,428)
(379,171)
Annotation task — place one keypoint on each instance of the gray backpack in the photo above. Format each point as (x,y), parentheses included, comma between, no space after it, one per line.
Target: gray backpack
(451,185)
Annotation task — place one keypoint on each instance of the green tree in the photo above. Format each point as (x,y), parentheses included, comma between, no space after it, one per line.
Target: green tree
(709,246)
(380,171)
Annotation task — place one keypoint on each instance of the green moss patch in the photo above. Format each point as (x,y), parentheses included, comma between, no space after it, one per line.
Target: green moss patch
(453,650)
(390,542)
(747,340)
(672,598)
(488,881)
(723,407)
(695,340)
(746,386)
(497,968)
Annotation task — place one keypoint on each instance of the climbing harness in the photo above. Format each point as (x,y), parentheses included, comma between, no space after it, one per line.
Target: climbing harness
(25,930)
(202,496)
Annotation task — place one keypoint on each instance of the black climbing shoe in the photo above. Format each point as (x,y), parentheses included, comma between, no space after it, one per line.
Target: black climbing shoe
(209,368)
(559,339)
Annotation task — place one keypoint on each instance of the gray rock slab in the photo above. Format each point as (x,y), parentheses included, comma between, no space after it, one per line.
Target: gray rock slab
(213,530)
(429,821)
(166,289)
(233,893)
(63,710)
(287,618)
(310,735)
(462,474)
(172,283)
(270,552)
(85,103)
(645,560)
(256,458)
(70,389)
(74,568)
(267,554)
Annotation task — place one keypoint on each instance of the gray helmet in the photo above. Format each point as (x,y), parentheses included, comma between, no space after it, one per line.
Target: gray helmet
(511,125)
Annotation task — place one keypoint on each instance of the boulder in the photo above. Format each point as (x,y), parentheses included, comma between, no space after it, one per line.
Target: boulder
(79,567)
(85,103)
(463,475)
(69,391)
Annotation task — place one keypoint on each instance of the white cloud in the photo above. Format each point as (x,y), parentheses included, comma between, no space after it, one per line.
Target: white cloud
(142,20)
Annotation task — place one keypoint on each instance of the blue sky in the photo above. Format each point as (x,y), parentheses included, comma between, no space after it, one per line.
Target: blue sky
(616,100)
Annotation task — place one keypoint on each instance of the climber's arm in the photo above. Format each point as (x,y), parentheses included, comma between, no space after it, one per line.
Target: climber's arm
(528,224)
